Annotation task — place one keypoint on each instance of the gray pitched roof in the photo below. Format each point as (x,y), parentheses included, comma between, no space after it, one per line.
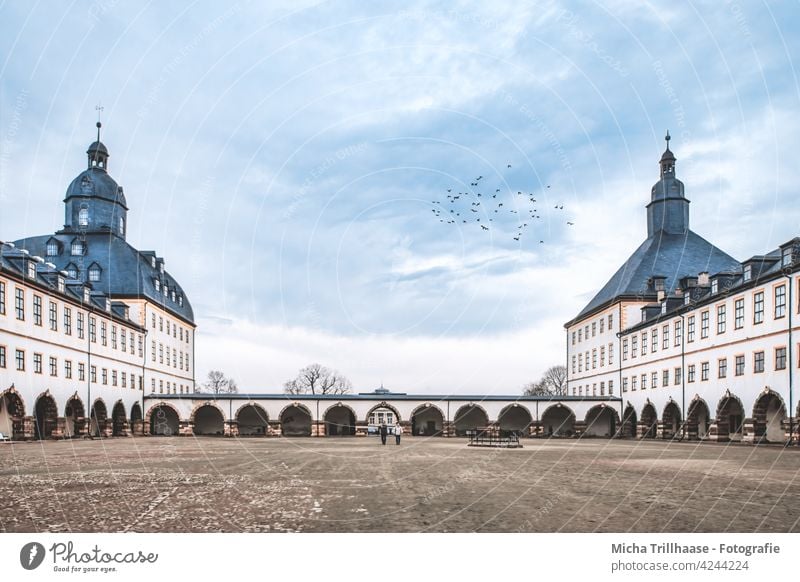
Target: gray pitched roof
(669,255)
(126,273)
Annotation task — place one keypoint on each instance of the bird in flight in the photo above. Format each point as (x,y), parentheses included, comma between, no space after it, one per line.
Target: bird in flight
(570,223)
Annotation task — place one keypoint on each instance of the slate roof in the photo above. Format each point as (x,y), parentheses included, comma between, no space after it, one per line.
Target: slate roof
(126,272)
(669,255)
(96,183)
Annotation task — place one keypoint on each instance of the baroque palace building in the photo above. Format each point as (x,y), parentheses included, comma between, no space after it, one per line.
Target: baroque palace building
(88,324)
(696,344)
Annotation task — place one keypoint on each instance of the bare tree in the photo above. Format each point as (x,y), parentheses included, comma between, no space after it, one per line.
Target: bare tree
(218,384)
(317,379)
(552,383)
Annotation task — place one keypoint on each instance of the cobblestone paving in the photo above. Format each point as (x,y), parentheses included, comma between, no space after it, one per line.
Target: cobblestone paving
(355,484)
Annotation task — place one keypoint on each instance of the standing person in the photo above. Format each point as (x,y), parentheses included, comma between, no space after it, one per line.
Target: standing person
(398,430)
(384,432)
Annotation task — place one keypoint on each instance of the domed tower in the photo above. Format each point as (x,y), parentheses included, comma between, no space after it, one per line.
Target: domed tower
(94,202)
(668,210)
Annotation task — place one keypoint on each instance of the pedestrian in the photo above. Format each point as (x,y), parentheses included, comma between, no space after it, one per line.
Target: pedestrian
(398,430)
(384,432)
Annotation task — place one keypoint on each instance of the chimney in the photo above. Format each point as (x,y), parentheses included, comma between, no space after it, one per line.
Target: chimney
(702,279)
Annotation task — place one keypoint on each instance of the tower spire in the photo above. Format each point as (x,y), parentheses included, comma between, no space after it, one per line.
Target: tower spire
(667,162)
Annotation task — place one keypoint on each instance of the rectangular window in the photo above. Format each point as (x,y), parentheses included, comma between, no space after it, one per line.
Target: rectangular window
(161,353)
(53,316)
(154,323)
(758,307)
(739,365)
(634,346)
(37,310)
(140,343)
(92,329)
(103,333)
(124,379)
(580,335)
(93,374)
(780,301)
(131,342)
(690,373)
(690,329)
(610,354)
(610,387)
(758,362)
(114,337)
(654,339)
(594,359)
(594,328)
(53,366)
(654,380)
(624,384)
(610,324)
(633,383)
(81,371)
(20,356)
(2,298)
(113,377)
(665,337)
(780,358)
(722,368)
(704,369)
(644,343)
(644,381)
(580,362)
(721,319)
(678,332)
(677,375)
(104,375)
(160,324)
(2,356)
(19,303)
(573,338)
(665,378)
(624,350)
(602,326)
(574,363)
(37,363)
(67,320)
(738,314)
(704,319)
(123,338)
(68,369)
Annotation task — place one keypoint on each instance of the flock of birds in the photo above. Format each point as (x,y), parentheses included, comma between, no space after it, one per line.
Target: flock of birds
(481,208)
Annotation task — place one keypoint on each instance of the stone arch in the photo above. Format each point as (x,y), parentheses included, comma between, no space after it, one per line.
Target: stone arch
(629,421)
(208,419)
(730,418)
(558,421)
(339,420)
(671,421)
(45,416)
(295,420)
(252,420)
(515,419)
(74,417)
(12,414)
(769,414)
(98,418)
(602,421)
(136,425)
(698,419)
(469,417)
(163,420)
(427,420)
(119,420)
(387,406)
(648,427)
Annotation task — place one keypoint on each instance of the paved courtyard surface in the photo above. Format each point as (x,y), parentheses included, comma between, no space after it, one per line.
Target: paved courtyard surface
(355,484)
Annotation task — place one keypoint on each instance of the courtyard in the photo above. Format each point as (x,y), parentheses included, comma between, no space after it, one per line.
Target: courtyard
(353,484)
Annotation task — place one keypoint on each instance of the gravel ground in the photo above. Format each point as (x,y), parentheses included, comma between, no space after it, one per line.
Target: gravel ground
(356,485)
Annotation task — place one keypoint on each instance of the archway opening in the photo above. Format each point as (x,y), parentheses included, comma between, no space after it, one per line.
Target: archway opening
(99,418)
(340,421)
(427,420)
(769,414)
(74,418)
(515,420)
(119,423)
(601,421)
(730,419)
(208,420)
(295,421)
(12,414)
(469,418)
(558,421)
(697,419)
(649,422)
(136,416)
(164,421)
(629,422)
(252,421)
(671,421)
(45,417)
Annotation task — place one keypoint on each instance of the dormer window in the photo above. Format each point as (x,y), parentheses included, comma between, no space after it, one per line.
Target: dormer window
(121,226)
(161,267)
(94,273)
(180,300)
(153,262)
(166,291)
(77,248)
(173,295)
(108,304)
(786,259)
(61,285)
(748,273)
(687,299)
(714,286)
(72,271)
(157,283)
(31,269)
(52,248)
(663,307)
(86,295)
(83,217)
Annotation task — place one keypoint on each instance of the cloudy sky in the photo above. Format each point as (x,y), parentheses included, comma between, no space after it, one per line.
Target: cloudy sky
(285,159)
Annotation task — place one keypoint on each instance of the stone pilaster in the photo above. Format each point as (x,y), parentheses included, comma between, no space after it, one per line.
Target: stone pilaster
(317,428)
(749,432)
(231,428)
(274,428)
